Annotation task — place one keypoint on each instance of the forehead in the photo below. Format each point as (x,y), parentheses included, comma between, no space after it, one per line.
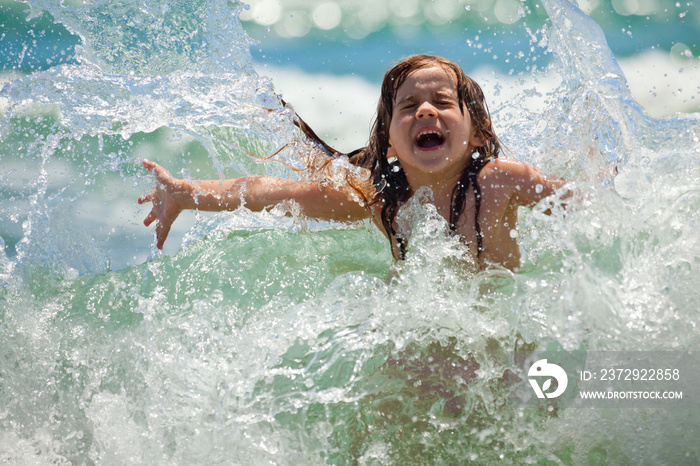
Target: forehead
(432,79)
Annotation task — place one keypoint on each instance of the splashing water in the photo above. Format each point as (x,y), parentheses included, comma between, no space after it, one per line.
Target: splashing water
(268,338)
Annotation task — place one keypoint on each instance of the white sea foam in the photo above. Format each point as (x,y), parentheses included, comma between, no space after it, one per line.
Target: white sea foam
(662,83)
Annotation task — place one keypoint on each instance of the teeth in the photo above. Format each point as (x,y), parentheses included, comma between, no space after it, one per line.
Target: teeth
(427,132)
(429,138)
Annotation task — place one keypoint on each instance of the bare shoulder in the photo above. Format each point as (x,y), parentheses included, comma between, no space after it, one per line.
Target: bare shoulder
(521,182)
(505,175)
(508,170)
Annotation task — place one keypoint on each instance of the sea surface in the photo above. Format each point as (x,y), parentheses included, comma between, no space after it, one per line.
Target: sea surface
(269,338)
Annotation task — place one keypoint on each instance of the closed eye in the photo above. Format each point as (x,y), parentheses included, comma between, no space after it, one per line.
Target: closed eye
(445,102)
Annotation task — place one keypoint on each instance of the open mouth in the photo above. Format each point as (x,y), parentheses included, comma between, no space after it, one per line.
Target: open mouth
(429,139)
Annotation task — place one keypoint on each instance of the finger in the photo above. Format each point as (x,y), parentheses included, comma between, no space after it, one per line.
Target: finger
(162,175)
(150,218)
(148,197)
(162,230)
(148,165)
(160,172)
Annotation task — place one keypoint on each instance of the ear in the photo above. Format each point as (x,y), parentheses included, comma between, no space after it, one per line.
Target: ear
(390,152)
(478,139)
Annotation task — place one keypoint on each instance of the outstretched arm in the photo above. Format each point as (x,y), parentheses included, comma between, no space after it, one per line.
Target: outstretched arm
(171,196)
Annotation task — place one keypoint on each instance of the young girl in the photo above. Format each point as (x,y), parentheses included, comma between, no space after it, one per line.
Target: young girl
(432,130)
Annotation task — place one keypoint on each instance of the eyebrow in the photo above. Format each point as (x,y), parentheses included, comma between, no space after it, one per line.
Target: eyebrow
(440,93)
(408,98)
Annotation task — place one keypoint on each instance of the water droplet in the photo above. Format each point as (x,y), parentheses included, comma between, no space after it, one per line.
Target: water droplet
(539,188)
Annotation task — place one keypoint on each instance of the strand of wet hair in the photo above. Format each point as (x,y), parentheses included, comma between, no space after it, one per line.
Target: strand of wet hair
(477,208)
(311,134)
(469,177)
(394,189)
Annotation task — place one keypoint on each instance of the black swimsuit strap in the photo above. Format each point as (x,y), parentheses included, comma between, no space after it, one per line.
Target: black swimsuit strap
(460,194)
(477,207)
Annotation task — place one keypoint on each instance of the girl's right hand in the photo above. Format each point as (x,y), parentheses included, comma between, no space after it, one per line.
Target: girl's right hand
(164,197)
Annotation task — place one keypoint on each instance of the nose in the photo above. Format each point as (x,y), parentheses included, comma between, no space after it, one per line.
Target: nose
(426,110)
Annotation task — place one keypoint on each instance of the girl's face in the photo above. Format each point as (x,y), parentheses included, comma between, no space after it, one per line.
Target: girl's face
(428,132)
